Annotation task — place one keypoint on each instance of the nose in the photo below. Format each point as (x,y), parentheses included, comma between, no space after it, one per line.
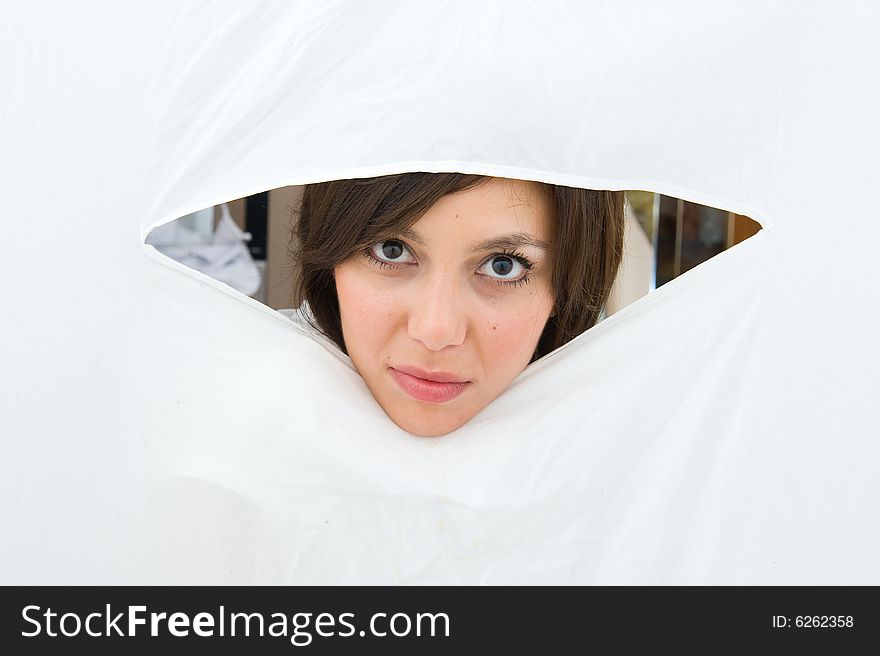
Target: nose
(437,316)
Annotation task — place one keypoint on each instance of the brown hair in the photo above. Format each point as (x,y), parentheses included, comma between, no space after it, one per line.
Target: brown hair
(339,218)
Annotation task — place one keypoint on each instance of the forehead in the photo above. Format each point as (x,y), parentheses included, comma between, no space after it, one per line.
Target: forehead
(496,205)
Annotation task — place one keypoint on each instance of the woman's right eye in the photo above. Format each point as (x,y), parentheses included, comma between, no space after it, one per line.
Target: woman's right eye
(391,251)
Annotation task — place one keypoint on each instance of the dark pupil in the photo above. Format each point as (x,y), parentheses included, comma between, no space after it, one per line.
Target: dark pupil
(392,250)
(502,265)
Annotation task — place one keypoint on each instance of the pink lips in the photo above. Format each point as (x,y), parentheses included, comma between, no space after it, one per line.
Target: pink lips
(432,387)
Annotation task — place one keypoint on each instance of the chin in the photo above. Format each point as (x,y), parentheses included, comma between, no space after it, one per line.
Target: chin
(427,427)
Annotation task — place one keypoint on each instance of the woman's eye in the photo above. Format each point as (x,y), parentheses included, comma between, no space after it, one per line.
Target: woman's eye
(391,251)
(503,267)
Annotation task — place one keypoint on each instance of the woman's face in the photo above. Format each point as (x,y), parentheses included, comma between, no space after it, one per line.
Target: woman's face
(441,319)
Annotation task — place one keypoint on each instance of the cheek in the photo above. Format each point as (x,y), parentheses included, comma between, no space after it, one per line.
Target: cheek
(512,333)
(510,341)
(366,308)
(505,344)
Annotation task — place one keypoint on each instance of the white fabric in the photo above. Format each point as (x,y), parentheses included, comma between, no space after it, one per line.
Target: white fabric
(304,320)
(161,427)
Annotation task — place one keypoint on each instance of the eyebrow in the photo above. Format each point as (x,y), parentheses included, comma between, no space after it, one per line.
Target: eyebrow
(510,241)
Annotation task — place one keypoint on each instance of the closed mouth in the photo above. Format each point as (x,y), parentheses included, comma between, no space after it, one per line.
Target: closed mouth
(429,391)
(431,376)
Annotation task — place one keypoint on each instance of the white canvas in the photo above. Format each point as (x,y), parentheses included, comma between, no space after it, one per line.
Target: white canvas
(161,427)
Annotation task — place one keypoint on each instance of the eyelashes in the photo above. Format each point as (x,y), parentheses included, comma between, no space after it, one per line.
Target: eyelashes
(523,261)
(518,258)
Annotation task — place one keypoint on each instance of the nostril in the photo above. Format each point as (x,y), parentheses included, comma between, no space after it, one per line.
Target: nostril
(438,330)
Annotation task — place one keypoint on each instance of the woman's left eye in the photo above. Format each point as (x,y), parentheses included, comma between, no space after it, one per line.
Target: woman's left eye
(506,268)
